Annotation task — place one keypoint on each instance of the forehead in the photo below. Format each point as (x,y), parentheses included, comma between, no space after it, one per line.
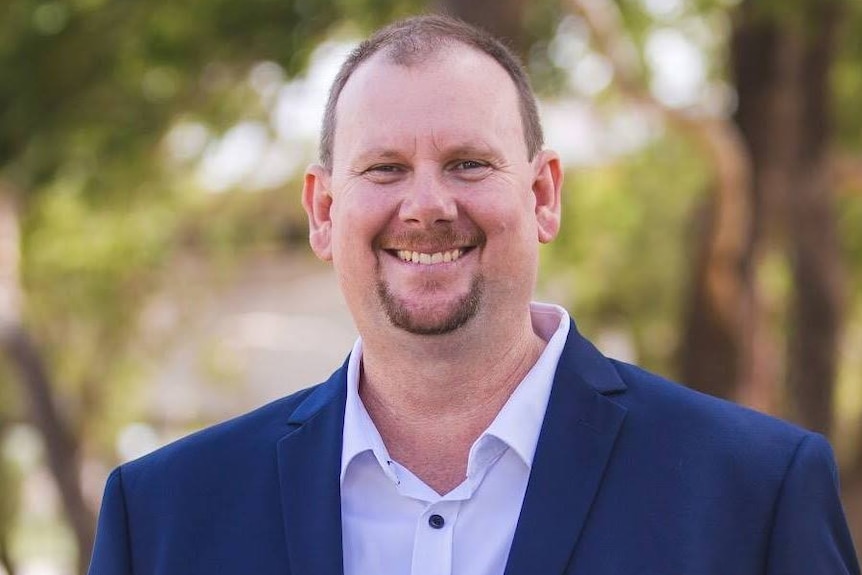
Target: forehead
(456,93)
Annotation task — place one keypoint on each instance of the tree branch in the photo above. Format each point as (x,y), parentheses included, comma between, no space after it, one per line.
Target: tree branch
(6,559)
(729,244)
(718,138)
(27,360)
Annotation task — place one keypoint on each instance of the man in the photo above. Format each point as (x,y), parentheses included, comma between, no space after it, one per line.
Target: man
(470,431)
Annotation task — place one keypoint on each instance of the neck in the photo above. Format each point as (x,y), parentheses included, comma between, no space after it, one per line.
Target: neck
(432,396)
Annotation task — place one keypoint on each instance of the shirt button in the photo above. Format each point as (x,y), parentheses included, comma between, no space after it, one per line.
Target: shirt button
(436,521)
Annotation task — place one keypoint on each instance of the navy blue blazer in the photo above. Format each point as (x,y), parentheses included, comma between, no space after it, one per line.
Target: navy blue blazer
(633,475)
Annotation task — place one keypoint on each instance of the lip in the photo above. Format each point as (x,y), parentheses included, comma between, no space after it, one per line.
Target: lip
(429,243)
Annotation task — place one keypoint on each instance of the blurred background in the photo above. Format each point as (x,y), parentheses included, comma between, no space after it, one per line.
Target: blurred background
(154,271)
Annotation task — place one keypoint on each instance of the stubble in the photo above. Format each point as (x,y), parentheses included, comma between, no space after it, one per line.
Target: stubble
(461,312)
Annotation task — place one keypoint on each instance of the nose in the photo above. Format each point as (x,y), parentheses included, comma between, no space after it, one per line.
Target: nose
(428,202)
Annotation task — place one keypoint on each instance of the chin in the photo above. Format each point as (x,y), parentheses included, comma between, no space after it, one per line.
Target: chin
(434,321)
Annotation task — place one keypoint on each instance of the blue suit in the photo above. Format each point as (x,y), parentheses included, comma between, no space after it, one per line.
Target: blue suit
(633,475)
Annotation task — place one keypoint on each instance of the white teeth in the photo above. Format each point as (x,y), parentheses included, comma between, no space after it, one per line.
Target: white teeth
(429,259)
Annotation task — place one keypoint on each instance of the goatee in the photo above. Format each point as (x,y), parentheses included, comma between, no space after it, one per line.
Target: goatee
(460,313)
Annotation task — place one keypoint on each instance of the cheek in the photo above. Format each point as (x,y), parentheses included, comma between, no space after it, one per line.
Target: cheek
(502,207)
(356,221)
(512,237)
(510,221)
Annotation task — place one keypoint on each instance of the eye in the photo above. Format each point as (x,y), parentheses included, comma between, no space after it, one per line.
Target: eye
(384,169)
(470,170)
(469,165)
(384,173)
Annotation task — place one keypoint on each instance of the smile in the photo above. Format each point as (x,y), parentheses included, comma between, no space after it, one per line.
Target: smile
(430,259)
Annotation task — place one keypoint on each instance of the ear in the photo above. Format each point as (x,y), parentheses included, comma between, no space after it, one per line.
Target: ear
(547,187)
(317,201)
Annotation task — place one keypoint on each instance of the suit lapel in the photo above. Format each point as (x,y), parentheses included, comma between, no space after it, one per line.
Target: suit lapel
(309,462)
(575,444)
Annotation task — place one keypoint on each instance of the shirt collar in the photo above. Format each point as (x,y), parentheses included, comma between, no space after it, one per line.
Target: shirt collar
(360,434)
(520,420)
(517,424)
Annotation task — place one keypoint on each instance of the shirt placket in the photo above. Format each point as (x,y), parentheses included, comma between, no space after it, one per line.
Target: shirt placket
(432,545)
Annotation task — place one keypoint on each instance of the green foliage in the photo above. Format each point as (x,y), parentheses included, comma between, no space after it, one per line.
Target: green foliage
(847,81)
(850,227)
(623,250)
(90,82)
(10,494)
(368,14)
(239,221)
(637,20)
(88,89)
(88,269)
(10,477)
(540,24)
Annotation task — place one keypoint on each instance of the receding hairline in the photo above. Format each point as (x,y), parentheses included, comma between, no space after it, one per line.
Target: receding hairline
(437,56)
(393,55)
(414,52)
(419,40)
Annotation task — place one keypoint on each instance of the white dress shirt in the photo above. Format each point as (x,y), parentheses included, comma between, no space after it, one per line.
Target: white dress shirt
(394,524)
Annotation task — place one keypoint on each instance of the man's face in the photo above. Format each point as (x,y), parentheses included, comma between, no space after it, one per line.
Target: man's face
(432,211)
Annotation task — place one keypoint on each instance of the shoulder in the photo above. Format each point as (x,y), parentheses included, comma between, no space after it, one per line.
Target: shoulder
(671,398)
(243,442)
(671,416)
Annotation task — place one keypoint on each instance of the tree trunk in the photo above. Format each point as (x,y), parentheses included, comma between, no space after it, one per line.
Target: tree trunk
(818,270)
(710,356)
(715,353)
(27,361)
(764,69)
(781,68)
(60,444)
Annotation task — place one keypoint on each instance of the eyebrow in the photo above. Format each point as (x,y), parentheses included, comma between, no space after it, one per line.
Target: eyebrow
(477,149)
(472,149)
(375,154)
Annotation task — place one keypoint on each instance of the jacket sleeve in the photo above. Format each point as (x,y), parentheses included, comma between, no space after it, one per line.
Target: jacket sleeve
(809,531)
(112,553)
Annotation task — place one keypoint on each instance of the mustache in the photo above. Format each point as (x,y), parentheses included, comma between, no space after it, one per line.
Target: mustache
(440,239)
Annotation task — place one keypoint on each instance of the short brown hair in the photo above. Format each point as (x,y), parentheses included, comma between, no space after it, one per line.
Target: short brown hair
(413,40)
